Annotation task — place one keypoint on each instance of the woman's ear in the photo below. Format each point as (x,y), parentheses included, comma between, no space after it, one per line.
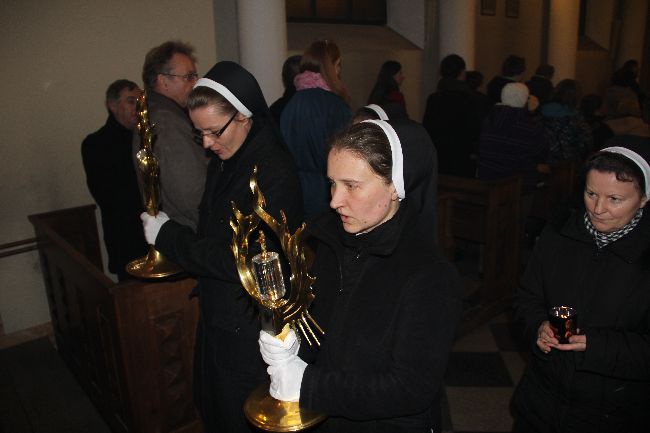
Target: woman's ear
(644,200)
(393,192)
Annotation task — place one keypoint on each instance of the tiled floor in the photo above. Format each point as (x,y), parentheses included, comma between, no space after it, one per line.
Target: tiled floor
(484,367)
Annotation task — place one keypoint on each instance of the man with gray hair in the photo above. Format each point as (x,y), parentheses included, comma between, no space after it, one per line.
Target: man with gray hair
(169,74)
(111,177)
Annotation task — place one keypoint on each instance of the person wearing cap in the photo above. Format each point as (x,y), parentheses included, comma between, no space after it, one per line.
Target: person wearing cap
(595,259)
(229,111)
(169,73)
(389,303)
(512,141)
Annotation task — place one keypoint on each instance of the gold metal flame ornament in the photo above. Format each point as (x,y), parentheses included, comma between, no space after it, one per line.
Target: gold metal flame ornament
(293,310)
(262,410)
(153,265)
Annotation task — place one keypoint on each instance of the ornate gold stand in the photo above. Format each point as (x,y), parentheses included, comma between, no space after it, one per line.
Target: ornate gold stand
(262,410)
(267,413)
(153,265)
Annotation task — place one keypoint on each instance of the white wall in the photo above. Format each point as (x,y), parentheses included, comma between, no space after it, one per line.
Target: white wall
(407,18)
(598,22)
(498,36)
(58,58)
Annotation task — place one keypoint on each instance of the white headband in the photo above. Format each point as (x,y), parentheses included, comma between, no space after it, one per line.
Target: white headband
(637,159)
(223,91)
(377,109)
(397,174)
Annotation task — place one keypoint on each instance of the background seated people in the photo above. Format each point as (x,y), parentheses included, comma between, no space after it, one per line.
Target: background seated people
(512,141)
(540,84)
(593,110)
(629,122)
(389,303)
(568,135)
(595,259)
(512,70)
(228,110)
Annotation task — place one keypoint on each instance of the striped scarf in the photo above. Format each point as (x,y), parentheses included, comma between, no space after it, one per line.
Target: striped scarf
(603,239)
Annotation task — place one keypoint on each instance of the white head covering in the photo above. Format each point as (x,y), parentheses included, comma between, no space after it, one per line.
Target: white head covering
(377,109)
(223,91)
(637,159)
(397,174)
(515,95)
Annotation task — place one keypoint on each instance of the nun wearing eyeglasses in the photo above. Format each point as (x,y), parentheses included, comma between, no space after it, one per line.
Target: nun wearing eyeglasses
(595,259)
(389,303)
(229,111)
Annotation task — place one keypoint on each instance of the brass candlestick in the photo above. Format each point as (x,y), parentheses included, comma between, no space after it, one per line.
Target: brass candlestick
(153,265)
(262,279)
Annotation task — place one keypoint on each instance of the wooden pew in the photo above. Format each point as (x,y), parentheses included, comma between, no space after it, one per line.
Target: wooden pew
(487,213)
(130,345)
(557,188)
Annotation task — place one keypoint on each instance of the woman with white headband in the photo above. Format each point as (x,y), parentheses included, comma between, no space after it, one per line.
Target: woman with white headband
(230,114)
(596,260)
(388,302)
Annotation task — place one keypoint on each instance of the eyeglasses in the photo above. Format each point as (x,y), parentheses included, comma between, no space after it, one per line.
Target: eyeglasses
(218,133)
(192,76)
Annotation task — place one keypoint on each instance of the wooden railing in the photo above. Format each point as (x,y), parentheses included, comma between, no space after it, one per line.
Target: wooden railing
(130,345)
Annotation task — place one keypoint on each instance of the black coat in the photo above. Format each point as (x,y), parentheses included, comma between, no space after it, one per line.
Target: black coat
(112,182)
(228,364)
(389,305)
(607,387)
(453,120)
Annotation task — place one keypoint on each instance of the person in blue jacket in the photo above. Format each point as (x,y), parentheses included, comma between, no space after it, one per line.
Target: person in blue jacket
(317,110)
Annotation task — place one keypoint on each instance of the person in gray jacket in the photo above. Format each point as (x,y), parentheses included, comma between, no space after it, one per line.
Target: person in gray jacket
(169,74)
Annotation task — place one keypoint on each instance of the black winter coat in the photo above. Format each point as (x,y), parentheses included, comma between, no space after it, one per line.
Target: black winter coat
(113,184)
(607,387)
(228,364)
(389,305)
(453,120)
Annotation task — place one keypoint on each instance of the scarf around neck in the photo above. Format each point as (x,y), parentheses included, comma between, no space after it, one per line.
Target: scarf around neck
(310,80)
(603,239)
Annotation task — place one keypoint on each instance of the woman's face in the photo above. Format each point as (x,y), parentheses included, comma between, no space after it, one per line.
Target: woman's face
(610,202)
(399,77)
(210,121)
(362,199)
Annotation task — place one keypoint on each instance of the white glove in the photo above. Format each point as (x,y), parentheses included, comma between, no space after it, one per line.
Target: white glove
(286,378)
(152,225)
(275,351)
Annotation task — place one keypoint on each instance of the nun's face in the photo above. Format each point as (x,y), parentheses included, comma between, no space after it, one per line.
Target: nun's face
(611,203)
(362,198)
(222,133)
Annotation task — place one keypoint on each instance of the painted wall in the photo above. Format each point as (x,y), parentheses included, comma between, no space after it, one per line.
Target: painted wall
(498,36)
(407,18)
(598,22)
(60,56)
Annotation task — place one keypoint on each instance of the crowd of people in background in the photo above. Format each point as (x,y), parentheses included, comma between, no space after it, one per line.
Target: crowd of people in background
(360,178)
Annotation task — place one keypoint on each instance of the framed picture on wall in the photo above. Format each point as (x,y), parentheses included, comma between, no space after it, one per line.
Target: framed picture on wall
(512,8)
(488,7)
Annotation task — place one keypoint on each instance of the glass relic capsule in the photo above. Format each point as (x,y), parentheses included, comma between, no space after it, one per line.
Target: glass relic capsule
(268,273)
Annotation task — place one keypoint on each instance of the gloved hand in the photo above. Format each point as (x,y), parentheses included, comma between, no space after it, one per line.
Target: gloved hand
(286,378)
(152,225)
(275,351)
